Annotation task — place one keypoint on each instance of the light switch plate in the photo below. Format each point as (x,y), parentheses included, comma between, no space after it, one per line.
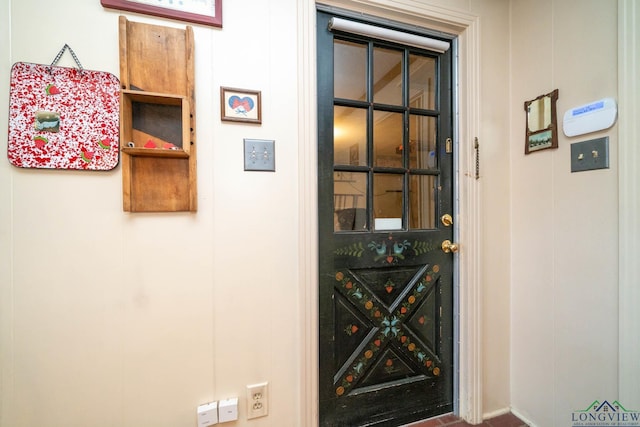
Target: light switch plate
(589,155)
(259,155)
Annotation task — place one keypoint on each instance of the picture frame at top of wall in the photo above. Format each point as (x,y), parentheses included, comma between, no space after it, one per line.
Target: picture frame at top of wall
(204,12)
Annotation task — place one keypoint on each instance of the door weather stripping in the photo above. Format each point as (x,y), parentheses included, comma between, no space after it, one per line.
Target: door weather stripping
(339,24)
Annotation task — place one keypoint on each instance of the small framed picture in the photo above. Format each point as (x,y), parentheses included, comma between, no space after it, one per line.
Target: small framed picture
(542,128)
(240,105)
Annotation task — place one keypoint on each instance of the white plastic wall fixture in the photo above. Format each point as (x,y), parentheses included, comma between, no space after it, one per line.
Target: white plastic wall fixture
(228,410)
(590,117)
(208,414)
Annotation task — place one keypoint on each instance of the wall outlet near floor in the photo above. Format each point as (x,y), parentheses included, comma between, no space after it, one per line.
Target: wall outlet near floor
(257,400)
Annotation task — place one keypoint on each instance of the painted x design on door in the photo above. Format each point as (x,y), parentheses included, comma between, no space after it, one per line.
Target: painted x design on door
(385,204)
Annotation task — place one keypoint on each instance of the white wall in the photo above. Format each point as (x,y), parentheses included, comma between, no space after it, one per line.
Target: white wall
(6,239)
(145,316)
(117,319)
(564,288)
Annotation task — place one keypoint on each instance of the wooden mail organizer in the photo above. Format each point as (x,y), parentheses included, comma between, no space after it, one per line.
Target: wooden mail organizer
(157,120)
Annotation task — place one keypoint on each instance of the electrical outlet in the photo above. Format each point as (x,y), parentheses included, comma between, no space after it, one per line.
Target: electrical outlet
(257,400)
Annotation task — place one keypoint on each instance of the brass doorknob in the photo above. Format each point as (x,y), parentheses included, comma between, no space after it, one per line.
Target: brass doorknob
(447,246)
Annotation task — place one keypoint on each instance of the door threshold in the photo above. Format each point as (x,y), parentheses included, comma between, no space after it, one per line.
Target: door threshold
(451,420)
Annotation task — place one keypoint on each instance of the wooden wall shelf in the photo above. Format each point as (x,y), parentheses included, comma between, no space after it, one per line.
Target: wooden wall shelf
(157,110)
(155,152)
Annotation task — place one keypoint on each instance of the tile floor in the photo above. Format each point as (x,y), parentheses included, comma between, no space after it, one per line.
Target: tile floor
(506,420)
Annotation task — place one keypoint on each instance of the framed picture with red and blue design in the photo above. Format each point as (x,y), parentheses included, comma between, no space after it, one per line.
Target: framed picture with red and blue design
(240,105)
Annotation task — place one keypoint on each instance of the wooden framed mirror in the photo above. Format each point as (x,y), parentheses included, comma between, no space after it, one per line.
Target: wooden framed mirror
(542,125)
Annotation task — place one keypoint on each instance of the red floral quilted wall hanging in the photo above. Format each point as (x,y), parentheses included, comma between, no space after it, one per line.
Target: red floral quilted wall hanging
(63,118)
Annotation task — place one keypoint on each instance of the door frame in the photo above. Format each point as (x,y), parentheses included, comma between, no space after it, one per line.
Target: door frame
(628,200)
(468,393)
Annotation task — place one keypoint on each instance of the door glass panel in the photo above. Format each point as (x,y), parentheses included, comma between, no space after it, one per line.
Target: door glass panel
(387,76)
(388,192)
(387,139)
(422,202)
(349,201)
(350,136)
(422,77)
(350,76)
(422,142)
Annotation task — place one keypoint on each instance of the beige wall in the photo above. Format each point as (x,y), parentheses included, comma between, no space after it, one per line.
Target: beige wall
(564,314)
(140,318)
(116,319)
(6,241)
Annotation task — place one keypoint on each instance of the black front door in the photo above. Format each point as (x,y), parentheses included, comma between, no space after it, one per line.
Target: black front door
(385,207)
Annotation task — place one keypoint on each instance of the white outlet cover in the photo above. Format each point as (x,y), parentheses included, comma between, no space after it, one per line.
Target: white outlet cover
(263,402)
(228,410)
(208,414)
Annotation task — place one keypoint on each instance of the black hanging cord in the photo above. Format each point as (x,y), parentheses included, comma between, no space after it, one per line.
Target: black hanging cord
(477,148)
(73,54)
